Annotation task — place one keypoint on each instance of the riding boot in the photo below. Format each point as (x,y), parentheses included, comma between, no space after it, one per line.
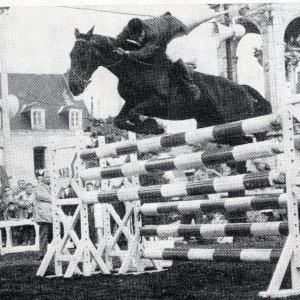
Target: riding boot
(192,91)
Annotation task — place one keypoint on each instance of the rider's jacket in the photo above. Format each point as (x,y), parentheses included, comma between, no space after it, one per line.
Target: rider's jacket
(159,31)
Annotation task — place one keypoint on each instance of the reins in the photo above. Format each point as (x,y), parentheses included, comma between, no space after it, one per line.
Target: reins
(135,60)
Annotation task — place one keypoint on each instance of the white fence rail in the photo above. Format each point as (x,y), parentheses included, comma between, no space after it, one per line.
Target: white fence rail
(7,245)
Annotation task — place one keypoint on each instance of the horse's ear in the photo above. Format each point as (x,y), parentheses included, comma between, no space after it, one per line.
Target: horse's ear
(90,32)
(77,33)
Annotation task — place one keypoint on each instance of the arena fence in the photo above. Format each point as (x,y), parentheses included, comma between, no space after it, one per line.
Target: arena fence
(7,244)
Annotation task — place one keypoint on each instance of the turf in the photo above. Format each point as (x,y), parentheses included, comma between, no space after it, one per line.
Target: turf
(184,280)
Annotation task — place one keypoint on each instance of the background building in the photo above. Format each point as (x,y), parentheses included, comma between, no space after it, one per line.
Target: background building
(42,111)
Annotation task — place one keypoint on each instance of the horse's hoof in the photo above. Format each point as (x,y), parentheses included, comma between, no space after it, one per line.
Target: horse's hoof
(150,126)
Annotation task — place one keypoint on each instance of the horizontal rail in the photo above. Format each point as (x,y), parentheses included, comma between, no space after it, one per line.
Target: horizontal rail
(258,202)
(217,230)
(242,182)
(186,161)
(218,255)
(212,134)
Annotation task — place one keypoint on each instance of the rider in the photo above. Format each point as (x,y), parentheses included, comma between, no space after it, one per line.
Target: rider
(150,37)
(145,39)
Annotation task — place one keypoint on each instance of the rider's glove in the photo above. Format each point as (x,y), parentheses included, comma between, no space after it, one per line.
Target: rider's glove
(122,51)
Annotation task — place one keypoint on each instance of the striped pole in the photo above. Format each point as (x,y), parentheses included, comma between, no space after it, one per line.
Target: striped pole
(260,202)
(218,255)
(186,161)
(216,185)
(213,134)
(217,230)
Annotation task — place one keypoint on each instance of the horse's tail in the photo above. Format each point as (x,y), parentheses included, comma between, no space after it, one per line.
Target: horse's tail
(261,105)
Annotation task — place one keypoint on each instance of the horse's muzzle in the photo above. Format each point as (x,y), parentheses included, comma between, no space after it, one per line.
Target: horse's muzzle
(75,89)
(76,85)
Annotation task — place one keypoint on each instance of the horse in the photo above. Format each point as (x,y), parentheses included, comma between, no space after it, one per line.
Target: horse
(153,88)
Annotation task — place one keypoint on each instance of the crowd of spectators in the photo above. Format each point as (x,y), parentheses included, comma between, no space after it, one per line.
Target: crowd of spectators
(18,203)
(28,201)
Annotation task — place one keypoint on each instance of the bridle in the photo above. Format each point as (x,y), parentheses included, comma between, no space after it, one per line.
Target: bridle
(81,77)
(107,60)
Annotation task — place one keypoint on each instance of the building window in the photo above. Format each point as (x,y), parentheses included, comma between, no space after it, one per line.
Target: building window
(75,119)
(39,158)
(37,119)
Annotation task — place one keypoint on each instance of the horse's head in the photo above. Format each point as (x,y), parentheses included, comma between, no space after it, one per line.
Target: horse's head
(89,52)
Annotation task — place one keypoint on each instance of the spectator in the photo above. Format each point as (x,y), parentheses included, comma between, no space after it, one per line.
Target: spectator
(26,201)
(69,210)
(199,216)
(2,214)
(11,205)
(97,185)
(43,212)
(91,215)
(2,208)
(20,188)
(39,175)
(199,175)
(89,186)
(115,184)
(236,216)
(11,213)
(67,193)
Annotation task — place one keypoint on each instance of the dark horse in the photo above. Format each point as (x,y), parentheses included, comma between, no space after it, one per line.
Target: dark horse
(153,88)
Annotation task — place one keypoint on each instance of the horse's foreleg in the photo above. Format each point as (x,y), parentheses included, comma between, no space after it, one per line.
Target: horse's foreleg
(153,107)
(122,120)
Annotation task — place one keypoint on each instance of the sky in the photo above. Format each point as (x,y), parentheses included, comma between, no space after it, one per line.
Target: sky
(39,39)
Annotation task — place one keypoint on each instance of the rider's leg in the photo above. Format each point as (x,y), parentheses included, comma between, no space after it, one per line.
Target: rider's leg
(191,21)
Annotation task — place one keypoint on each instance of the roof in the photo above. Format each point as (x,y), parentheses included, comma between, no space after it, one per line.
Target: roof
(28,107)
(67,108)
(47,91)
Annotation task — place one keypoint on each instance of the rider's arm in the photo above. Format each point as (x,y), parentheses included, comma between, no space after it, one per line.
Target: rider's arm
(121,39)
(145,52)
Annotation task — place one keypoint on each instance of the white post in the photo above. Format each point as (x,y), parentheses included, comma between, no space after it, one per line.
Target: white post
(4,92)
(55,211)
